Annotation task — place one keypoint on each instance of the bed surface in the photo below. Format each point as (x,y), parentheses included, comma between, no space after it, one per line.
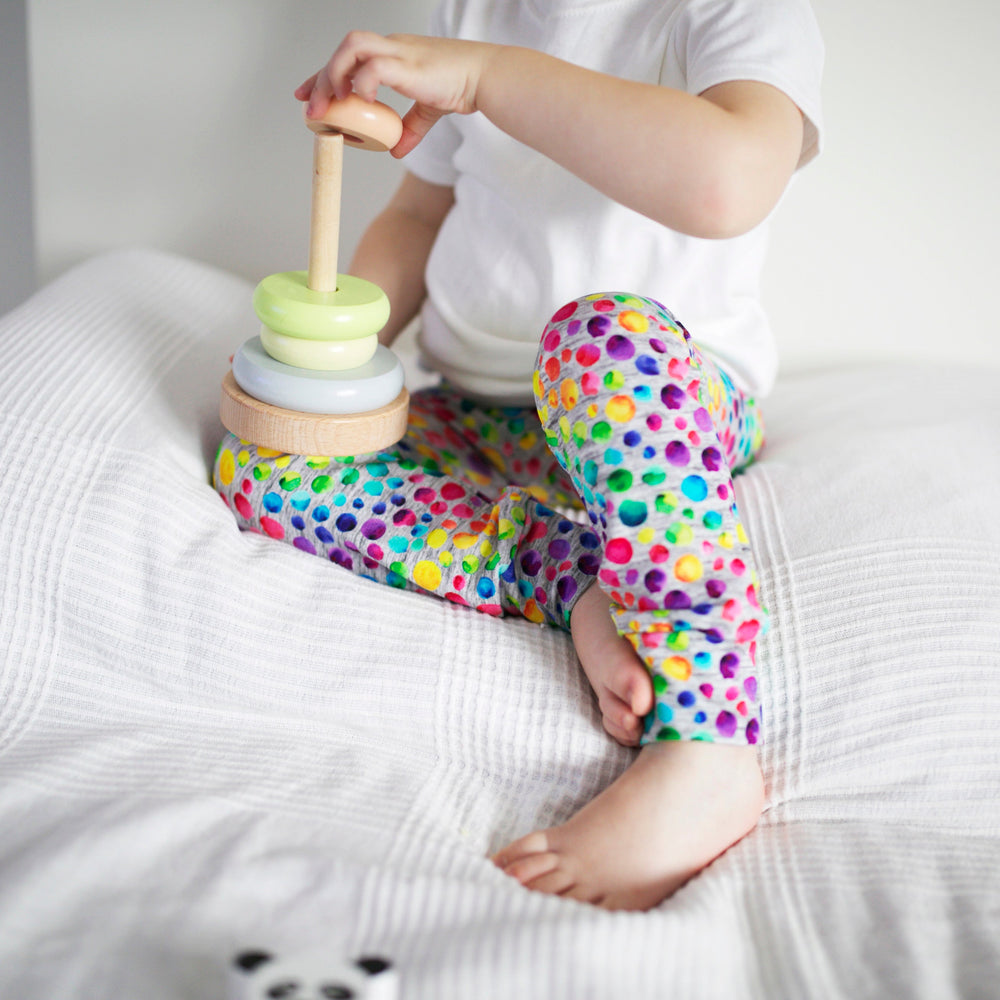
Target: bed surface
(210,741)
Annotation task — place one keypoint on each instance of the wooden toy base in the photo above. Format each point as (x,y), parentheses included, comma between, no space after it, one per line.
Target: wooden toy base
(310,433)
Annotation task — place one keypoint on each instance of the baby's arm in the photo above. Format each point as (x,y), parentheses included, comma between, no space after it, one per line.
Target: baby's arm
(394,249)
(711,165)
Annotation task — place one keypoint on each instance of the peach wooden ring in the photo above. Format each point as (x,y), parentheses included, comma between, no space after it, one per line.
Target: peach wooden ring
(364,124)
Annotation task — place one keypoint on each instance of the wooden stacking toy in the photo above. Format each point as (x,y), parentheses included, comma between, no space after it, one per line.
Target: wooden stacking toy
(316,381)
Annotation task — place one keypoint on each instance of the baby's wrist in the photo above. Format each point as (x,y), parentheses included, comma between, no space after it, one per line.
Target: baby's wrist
(494,68)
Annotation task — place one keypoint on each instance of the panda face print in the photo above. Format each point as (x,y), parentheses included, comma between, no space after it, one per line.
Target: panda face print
(258,975)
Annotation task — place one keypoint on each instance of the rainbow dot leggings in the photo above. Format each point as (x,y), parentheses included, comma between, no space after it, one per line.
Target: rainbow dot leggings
(633,425)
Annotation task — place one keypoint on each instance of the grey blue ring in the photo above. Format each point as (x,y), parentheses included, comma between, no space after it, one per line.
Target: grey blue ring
(374,384)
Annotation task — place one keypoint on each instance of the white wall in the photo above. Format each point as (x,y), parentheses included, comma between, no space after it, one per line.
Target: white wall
(886,245)
(173,125)
(17,236)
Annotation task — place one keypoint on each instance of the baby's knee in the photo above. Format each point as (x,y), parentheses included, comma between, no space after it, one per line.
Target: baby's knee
(609,343)
(617,326)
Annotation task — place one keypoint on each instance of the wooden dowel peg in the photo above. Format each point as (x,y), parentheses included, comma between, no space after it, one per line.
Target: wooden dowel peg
(322,391)
(324,228)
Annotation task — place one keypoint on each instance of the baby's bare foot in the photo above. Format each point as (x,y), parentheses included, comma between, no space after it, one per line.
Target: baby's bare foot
(677,808)
(619,679)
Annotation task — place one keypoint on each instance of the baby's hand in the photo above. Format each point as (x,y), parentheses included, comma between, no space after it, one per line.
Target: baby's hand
(439,75)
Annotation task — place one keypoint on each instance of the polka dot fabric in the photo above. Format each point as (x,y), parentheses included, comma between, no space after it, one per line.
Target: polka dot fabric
(648,429)
(458,508)
(464,506)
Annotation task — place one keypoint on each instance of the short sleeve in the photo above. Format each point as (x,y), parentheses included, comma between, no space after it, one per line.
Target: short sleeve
(433,158)
(777,42)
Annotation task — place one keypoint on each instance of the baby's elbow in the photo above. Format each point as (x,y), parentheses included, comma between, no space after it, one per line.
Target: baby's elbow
(740,188)
(729,205)
(716,218)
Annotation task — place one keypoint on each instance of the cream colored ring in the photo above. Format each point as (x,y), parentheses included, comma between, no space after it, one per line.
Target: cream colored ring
(363,124)
(318,355)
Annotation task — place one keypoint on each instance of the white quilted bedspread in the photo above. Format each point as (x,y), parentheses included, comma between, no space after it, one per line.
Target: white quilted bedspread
(209,740)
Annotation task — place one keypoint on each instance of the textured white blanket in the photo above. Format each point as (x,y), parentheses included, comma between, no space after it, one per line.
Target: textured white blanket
(209,740)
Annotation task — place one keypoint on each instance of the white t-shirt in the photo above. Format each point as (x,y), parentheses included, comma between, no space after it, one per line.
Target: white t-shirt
(526,236)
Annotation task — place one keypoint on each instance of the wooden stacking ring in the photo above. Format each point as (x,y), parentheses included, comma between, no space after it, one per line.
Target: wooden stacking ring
(319,355)
(285,303)
(296,433)
(356,390)
(364,124)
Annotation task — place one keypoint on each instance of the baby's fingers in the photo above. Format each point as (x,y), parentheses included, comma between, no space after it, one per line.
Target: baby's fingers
(303,90)
(417,123)
(320,95)
(356,50)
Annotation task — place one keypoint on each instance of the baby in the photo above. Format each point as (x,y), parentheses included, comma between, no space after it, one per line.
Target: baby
(556,149)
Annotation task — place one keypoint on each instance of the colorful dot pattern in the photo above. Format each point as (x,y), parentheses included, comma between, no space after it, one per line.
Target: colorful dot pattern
(633,425)
(649,429)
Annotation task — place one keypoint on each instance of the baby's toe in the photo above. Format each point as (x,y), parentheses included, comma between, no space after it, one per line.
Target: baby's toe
(532,867)
(533,843)
(619,720)
(555,883)
(634,687)
(627,735)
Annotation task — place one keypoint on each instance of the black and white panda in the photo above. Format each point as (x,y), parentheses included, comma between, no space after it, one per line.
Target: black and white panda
(314,975)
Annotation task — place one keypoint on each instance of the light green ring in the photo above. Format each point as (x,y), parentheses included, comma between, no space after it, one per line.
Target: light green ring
(318,355)
(286,304)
